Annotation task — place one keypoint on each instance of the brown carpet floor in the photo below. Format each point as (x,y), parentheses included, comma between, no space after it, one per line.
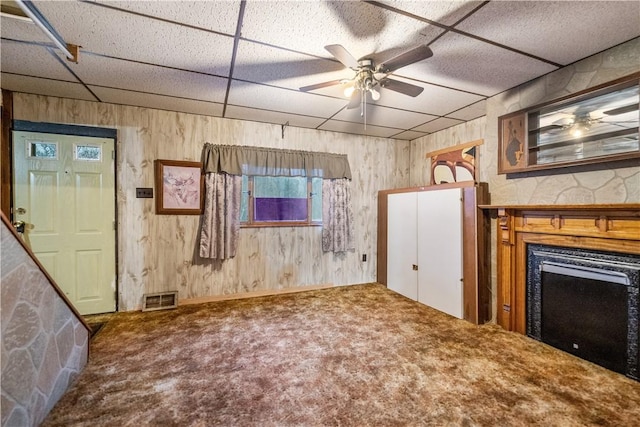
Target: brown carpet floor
(350,356)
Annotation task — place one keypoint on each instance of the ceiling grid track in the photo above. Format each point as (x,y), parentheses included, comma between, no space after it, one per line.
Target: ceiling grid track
(236,40)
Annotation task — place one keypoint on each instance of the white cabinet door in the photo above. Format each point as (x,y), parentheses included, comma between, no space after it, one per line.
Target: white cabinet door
(402,244)
(440,250)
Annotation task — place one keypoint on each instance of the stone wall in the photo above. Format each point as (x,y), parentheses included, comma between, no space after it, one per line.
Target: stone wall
(44,345)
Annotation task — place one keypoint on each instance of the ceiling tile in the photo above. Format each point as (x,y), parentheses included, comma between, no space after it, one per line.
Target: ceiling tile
(475,66)
(40,86)
(437,124)
(363,29)
(383,116)
(243,113)
(18,29)
(33,60)
(118,34)
(436,100)
(559,31)
(213,15)
(470,112)
(283,100)
(409,135)
(109,72)
(139,99)
(443,12)
(260,63)
(358,129)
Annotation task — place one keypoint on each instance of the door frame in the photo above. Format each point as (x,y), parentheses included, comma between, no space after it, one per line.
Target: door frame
(73,130)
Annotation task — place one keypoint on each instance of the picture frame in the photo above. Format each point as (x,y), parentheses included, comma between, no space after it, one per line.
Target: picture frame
(179,187)
(512,153)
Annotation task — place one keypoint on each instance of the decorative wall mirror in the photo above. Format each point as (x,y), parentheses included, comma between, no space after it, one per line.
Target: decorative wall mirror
(594,126)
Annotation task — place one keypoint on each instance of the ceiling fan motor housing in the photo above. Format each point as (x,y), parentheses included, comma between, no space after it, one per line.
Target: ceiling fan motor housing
(365,79)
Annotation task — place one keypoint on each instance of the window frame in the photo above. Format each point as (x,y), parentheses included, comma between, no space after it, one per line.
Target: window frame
(251,223)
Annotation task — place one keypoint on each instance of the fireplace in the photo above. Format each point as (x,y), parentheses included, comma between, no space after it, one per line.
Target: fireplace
(582,294)
(585,302)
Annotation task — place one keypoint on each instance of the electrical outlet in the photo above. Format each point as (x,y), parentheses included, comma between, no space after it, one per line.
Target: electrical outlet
(364,257)
(144,193)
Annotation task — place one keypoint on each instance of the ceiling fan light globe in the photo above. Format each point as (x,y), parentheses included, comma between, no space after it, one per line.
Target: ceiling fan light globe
(375,95)
(348,91)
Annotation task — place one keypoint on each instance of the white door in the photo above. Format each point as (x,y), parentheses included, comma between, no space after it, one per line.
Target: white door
(402,244)
(64,190)
(440,250)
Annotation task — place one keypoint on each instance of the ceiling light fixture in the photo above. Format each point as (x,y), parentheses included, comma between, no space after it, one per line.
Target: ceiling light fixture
(579,127)
(71,51)
(348,91)
(363,82)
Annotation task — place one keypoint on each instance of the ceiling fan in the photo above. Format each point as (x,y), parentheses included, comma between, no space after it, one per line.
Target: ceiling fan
(581,121)
(370,77)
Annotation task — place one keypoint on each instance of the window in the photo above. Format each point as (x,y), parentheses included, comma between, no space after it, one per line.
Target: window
(281,201)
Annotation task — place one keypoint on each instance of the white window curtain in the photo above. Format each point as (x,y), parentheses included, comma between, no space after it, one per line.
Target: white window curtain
(221,218)
(337,216)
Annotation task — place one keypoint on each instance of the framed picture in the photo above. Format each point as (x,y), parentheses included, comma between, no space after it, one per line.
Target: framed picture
(455,164)
(179,187)
(511,149)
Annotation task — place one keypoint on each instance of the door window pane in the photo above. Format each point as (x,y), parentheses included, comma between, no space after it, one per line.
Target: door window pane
(88,152)
(43,150)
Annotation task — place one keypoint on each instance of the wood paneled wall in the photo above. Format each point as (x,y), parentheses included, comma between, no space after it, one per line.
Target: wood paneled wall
(158,252)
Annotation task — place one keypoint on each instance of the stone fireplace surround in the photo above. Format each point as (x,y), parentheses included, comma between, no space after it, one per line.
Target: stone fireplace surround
(611,228)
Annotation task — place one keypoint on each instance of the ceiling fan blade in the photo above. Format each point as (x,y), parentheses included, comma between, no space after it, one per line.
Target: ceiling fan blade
(565,121)
(409,57)
(621,110)
(401,87)
(320,85)
(342,55)
(547,128)
(355,100)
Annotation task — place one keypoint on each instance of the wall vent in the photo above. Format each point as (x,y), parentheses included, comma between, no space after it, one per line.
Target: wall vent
(160,301)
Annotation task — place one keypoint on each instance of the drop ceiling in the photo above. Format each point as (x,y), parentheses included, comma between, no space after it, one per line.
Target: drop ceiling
(247,60)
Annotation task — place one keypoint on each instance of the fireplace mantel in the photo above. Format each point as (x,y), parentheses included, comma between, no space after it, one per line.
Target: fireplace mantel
(603,227)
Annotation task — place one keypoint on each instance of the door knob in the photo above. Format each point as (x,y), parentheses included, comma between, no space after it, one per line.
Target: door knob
(19,226)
